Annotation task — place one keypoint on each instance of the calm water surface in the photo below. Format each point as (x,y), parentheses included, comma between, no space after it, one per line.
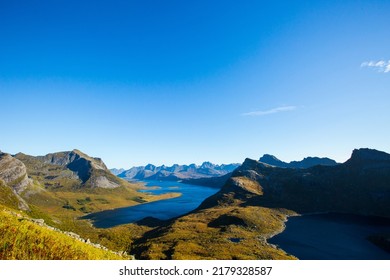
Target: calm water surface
(332,237)
(192,196)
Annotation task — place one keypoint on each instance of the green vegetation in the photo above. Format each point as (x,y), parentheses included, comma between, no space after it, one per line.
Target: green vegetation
(58,195)
(63,192)
(207,234)
(7,196)
(22,239)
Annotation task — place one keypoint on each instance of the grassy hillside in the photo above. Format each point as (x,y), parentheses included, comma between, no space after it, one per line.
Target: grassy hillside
(61,196)
(22,239)
(227,233)
(252,206)
(7,196)
(228,228)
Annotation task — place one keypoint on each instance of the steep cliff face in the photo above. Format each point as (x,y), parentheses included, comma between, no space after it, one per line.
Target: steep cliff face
(13,175)
(13,172)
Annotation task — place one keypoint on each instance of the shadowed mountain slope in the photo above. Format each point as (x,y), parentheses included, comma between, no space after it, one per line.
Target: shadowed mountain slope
(253,205)
(305,163)
(361,185)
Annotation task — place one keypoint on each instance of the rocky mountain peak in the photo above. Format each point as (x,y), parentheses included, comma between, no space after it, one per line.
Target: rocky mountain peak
(272,160)
(252,164)
(72,158)
(305,163)
(369,158)
(90,170)
(369,154)
(207,164)
(150,167)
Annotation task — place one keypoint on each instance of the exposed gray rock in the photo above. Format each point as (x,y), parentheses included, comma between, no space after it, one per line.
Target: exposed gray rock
(103,182)
(66,158)
(116,171)
(72,165)
(39,221)
(13,173)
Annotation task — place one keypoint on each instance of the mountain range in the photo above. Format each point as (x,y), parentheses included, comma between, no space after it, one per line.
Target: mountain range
(255,201)
(51,193)
(358,186)
(176,172)
(305,163)
(207,173)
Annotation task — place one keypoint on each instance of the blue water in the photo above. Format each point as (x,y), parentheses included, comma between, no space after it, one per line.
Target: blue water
(192,196)
(333,237)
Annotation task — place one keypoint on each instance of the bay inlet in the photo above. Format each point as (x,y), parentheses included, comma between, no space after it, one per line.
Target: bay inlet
(191,197)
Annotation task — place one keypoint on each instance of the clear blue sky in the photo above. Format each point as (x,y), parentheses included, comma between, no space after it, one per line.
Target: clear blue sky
(164,82)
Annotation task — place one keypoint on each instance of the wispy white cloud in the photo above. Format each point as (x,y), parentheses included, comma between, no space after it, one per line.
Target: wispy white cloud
(380,65)
(270,111)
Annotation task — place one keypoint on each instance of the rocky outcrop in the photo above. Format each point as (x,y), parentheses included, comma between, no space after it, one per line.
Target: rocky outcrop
(103,182)
(13,173)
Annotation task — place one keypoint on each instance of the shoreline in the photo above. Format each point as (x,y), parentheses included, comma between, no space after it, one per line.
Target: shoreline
(84,217)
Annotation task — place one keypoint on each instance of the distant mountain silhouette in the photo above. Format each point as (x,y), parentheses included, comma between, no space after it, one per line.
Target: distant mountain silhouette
(178,172)
(305,163)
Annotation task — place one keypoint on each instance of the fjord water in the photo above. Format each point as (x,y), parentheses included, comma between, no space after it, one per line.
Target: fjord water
(333,237)
(191,197)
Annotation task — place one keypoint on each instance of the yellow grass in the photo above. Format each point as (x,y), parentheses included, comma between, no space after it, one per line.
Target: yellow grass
(22,239)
